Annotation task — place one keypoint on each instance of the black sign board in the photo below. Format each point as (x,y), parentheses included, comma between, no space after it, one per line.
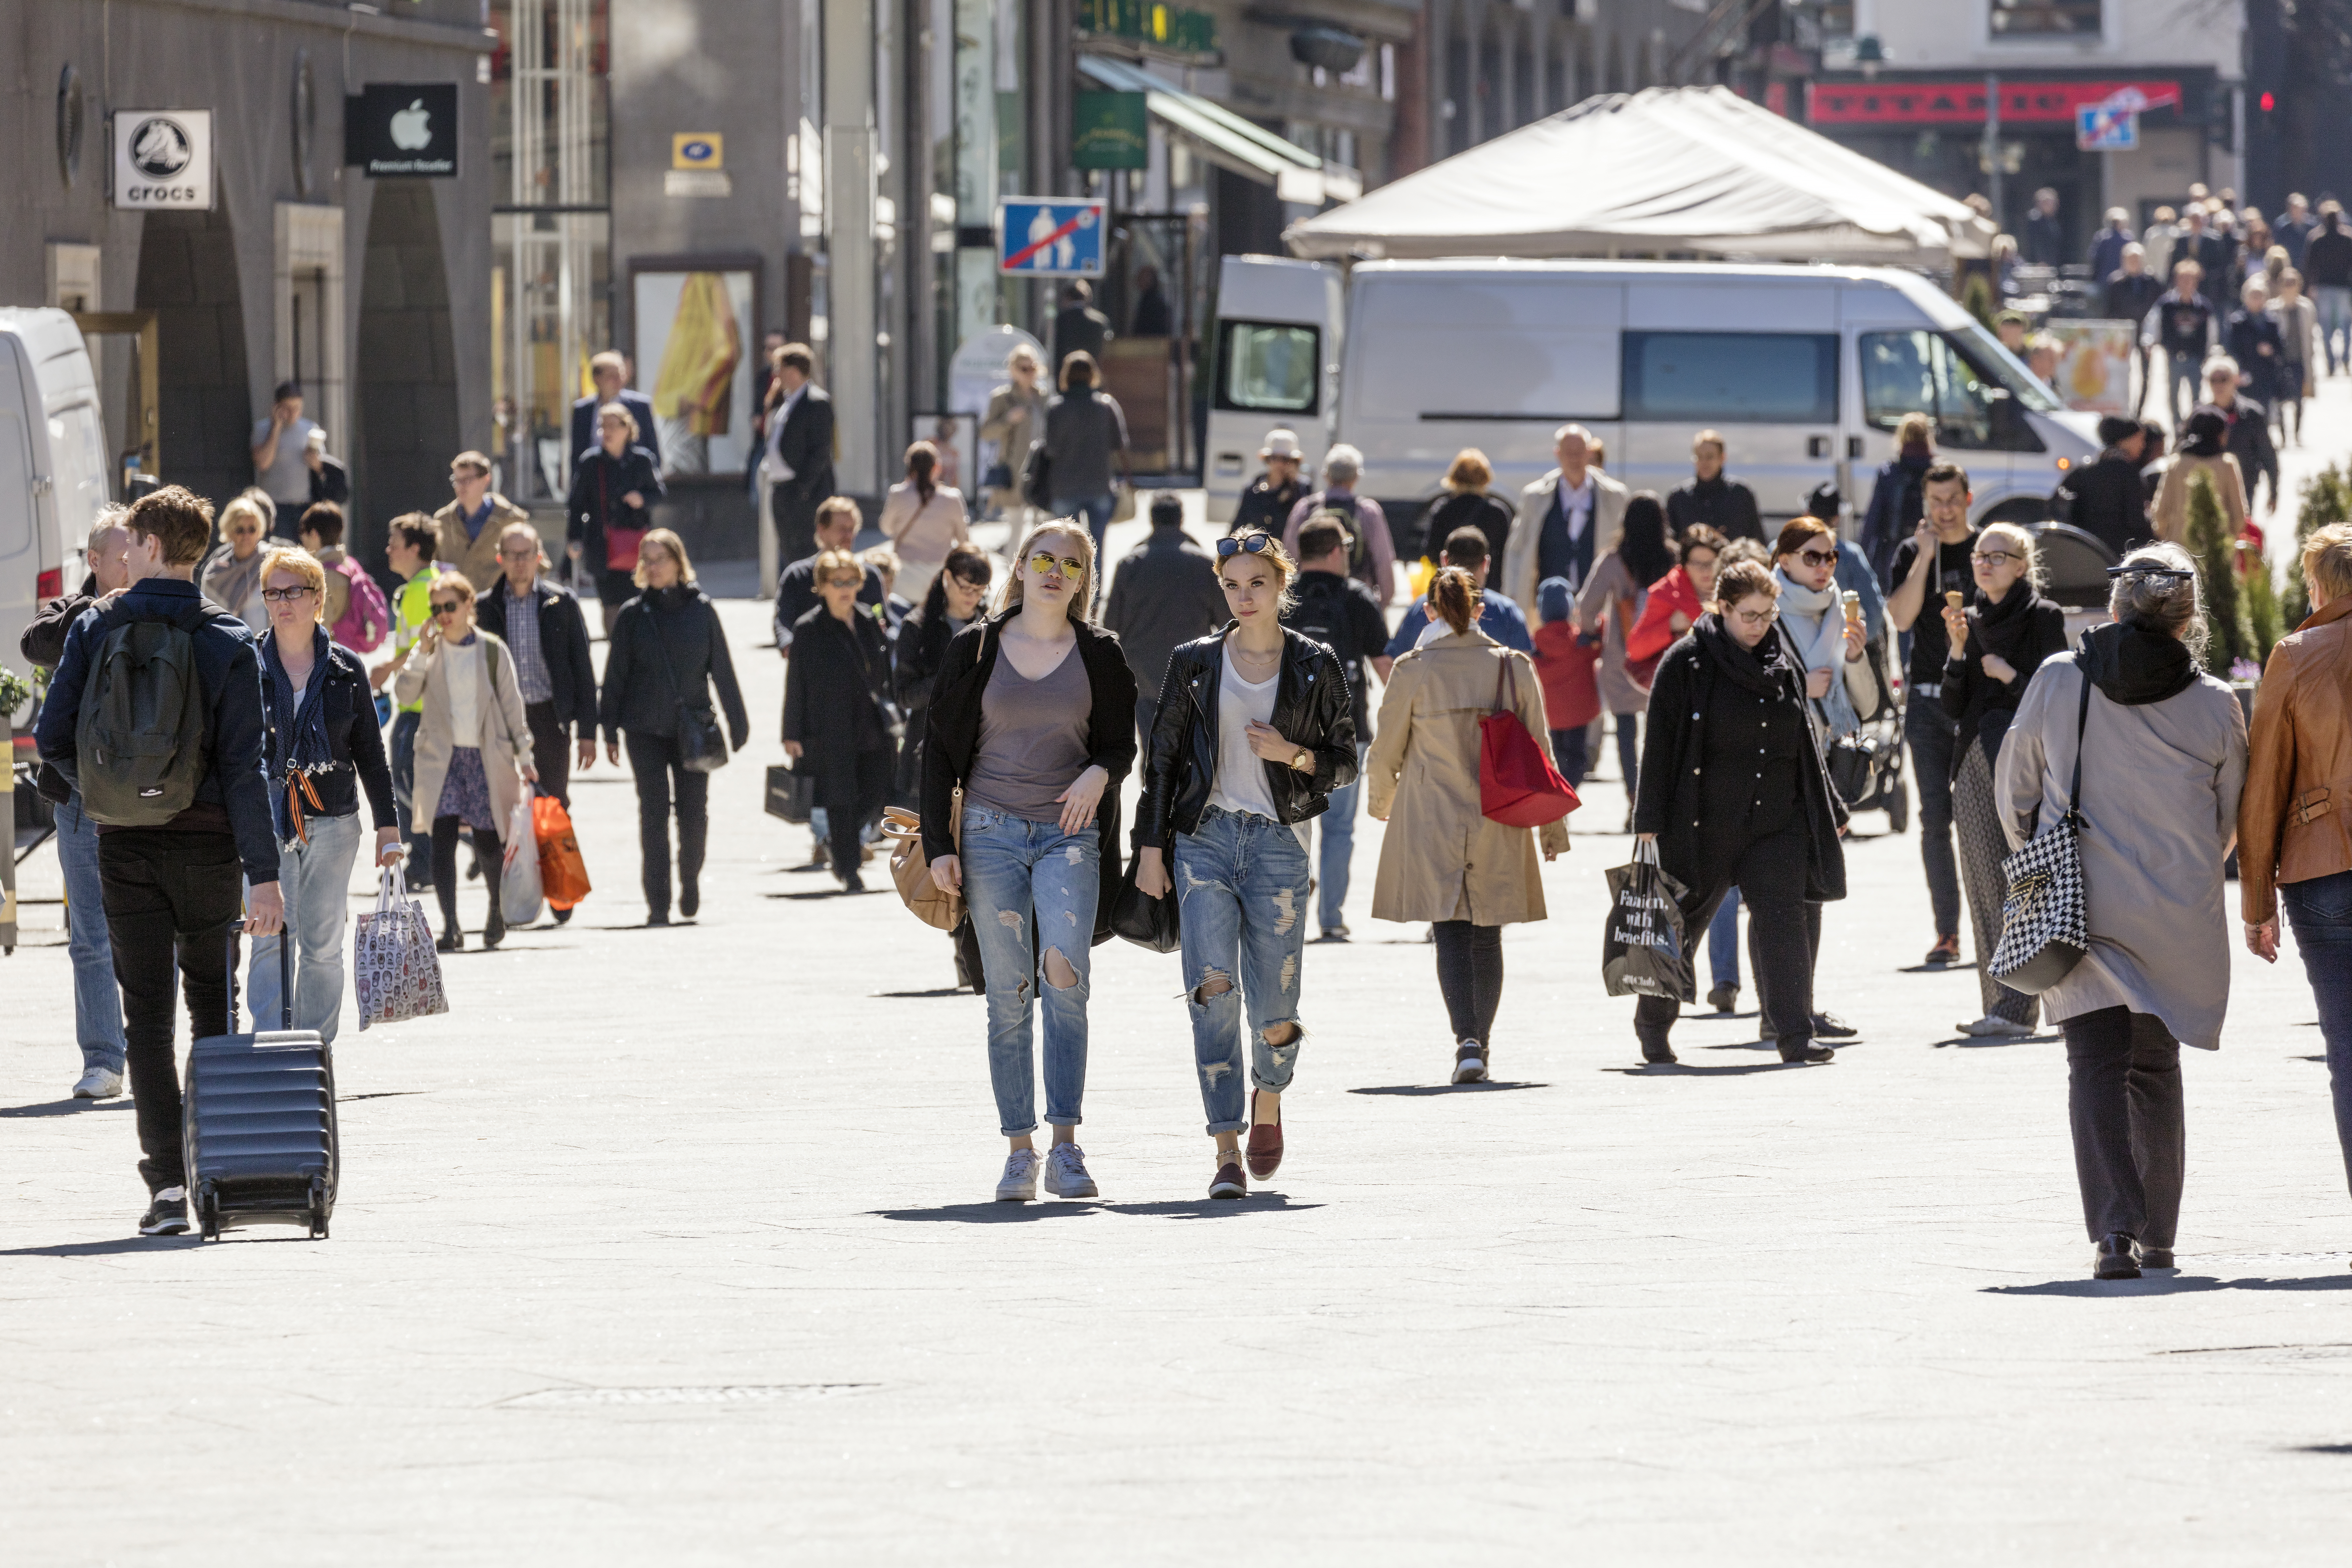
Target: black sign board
(393,129)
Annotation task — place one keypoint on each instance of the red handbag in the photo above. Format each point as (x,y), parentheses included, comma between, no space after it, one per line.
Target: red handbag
(1518,785)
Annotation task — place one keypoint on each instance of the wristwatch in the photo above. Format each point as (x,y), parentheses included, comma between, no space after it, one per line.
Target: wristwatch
(1304,762)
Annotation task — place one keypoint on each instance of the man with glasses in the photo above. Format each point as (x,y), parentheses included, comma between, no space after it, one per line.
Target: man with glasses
(543,629)
(1930,566)
(471,525)
(409,552)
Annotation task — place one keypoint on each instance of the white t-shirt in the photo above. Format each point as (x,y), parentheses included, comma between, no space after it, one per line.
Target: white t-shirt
(461,668)
(1240,772)
(288,479)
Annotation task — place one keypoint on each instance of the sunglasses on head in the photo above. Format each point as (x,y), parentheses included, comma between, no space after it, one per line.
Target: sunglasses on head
(1044,561)
(1244,545)
(451,608)
(2171,573)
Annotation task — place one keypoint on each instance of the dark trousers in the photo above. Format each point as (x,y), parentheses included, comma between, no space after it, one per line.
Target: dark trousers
(1934,738)
(1470,977)
(404,788)
(171,901)
(613,589)
(2320,911)
(662,779)
(846,815)
(551,751)
(796,516)
(2123,1100)
(1567,755)
(1784,931)
(1629,749)
(489,849)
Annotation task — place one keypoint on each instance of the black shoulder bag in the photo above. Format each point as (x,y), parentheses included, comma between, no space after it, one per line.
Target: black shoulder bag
(701,749)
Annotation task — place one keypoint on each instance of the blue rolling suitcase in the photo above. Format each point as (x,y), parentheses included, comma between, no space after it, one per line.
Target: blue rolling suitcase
(259,1121)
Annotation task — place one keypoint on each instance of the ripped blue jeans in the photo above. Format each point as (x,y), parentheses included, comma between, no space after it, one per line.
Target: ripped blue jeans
(1242,885)
(1013,872)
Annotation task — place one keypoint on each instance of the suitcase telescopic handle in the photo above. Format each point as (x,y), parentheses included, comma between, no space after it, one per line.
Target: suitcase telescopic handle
(285,968)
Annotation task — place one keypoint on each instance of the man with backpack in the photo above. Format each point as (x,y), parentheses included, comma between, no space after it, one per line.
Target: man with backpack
(1371,553)
(357,616)
(181,825)
(1341,614)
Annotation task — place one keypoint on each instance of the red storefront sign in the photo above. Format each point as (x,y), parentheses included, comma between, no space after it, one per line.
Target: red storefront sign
(1962,102)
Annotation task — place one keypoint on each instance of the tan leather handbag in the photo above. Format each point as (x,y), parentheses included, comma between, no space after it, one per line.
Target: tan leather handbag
(912,871)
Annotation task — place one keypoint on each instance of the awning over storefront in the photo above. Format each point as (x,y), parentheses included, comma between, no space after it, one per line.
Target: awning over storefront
(1668,170)
(1227,139)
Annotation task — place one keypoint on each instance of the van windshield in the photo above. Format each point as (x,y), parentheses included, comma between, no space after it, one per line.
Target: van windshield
(1997,365)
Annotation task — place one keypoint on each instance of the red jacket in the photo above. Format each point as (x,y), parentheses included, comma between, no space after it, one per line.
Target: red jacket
(1654,632)
(1565,662)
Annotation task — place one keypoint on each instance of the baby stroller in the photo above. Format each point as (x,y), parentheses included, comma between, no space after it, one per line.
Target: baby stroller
(1866,766)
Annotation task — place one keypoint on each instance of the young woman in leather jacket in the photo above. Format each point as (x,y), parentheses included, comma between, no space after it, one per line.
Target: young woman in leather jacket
(1255,730)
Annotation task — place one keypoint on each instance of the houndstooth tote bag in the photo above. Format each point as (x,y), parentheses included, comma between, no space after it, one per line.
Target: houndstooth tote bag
(392,957)
(2045,926)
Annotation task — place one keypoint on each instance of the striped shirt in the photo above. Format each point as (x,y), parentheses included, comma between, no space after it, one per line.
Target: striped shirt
(523,641)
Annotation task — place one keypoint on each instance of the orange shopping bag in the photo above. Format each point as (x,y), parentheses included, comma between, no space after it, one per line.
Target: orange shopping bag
(561,871)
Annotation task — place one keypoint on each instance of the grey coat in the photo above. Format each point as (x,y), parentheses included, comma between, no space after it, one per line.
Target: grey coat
(2161,787)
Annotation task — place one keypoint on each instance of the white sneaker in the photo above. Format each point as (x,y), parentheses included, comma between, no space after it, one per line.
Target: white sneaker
(98,1083)
(1990,1027)
(1019,1183)
(1065,1172)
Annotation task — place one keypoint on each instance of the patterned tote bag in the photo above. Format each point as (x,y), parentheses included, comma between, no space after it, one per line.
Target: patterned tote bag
(2045,922)
(399,973)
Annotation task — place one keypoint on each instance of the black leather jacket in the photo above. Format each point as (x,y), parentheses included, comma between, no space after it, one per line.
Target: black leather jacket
(1311,707)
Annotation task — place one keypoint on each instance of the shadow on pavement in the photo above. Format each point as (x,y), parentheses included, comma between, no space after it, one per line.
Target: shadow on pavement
(940,991)
(1685,1070)
(1214,1208)
(2174,1285)
(102,1248)
(1013,1213)
(1490,1086)
(1995,1042)
(1936,968)
(66,1107)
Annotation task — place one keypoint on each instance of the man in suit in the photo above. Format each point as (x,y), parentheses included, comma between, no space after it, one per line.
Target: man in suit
(608,371)
(1566,519)
(800,452)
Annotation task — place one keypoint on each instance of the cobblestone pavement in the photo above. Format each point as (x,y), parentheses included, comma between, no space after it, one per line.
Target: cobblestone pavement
(675,1245)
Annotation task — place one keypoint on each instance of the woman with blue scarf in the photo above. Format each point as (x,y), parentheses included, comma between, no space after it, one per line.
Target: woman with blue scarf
(321,747)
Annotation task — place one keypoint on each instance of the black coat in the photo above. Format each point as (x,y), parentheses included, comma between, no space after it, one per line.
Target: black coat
(639,694)
(563,642)
(1265,506)
(1490,515)
(2106,499)
(951,741)
(584,423)
(1981,706)
(916,658)
(353,737)
(1682,697)
(805,444)
(1723,503)
(595,503)
(1164,594)
(835,690)
(2249,441)
(1311,706)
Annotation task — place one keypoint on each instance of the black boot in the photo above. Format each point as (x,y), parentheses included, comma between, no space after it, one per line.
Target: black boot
(494,930)
(1654,1047)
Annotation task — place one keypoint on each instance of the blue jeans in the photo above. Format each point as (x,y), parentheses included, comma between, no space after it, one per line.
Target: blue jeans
(1336,848)
(403,789)
(1723,940)
(1568,755)
(1014,871)
(315,878)
(1240,883)
(98,1003)
(1097,511)
(2320,911)
(2186,374)
(2335,319)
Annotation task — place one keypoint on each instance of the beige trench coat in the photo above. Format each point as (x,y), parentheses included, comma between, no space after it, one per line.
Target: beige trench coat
(1440,858)
(505,732)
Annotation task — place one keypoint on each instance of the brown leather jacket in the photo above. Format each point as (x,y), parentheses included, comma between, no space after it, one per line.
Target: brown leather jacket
(2295,820)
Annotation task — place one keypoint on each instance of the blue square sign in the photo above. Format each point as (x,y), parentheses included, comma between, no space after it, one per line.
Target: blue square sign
(2106,128)
(1046,236)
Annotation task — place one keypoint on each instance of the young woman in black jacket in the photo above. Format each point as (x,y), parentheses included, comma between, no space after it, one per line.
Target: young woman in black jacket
(613,487)
(1996,646)
(838,715)
(669,650)
(321,748)
(955,601)
(1033,719)
(1734,793)
(1254,729)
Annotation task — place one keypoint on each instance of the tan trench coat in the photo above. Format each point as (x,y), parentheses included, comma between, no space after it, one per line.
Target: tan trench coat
(1440,858)
(478,558)
(506,732)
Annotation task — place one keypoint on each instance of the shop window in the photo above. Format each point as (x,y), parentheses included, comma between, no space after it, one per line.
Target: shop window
(1732,378)
(1269,366)
(2045,18)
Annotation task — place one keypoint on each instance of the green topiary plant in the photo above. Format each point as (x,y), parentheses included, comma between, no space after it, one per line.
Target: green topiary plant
(2215,549)
(2326,498)
(2260,593)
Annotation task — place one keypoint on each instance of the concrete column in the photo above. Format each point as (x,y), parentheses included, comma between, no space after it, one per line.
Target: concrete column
(850,359)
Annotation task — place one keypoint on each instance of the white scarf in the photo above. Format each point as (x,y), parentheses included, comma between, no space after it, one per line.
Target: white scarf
(1813,620)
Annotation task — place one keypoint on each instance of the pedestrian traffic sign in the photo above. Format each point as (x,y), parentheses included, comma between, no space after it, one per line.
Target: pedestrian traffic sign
(1044,236)
(2111,125)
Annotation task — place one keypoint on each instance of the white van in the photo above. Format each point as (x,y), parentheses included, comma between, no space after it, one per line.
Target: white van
(1805,371)
(53,468)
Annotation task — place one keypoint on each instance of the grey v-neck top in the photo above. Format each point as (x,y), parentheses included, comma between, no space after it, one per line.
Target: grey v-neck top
(1033,739)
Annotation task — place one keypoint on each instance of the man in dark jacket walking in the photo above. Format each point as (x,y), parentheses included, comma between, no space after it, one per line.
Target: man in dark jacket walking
(2128,294)
(541,625)
(609,371)
(2182,324)
(2328,267)
(1079,327)
(1164,592)
(1713,497)
(2249,439)
(1342,614)
(2107,498)
(172,892)
(2200,245)
(800,451)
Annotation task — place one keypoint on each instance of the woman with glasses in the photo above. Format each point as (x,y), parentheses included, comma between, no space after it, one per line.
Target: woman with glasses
(1733,794)
(669,650)
(1254,730)
(838,716)
(321,748)
(1031,726)
(473,745)
(232,578)
(616,483)
(1995,644)
(1826,643)
(1442,860)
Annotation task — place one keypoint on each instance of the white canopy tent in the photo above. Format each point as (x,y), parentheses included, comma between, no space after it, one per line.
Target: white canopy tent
(1690,170)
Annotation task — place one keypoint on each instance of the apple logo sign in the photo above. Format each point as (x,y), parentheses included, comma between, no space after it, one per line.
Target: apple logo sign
(411,128)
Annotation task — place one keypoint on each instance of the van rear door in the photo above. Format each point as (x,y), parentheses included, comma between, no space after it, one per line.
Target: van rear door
(24,509)
(1754,359)
(1273,365)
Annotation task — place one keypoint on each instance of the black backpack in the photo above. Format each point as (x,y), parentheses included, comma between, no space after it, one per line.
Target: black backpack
(139,741)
